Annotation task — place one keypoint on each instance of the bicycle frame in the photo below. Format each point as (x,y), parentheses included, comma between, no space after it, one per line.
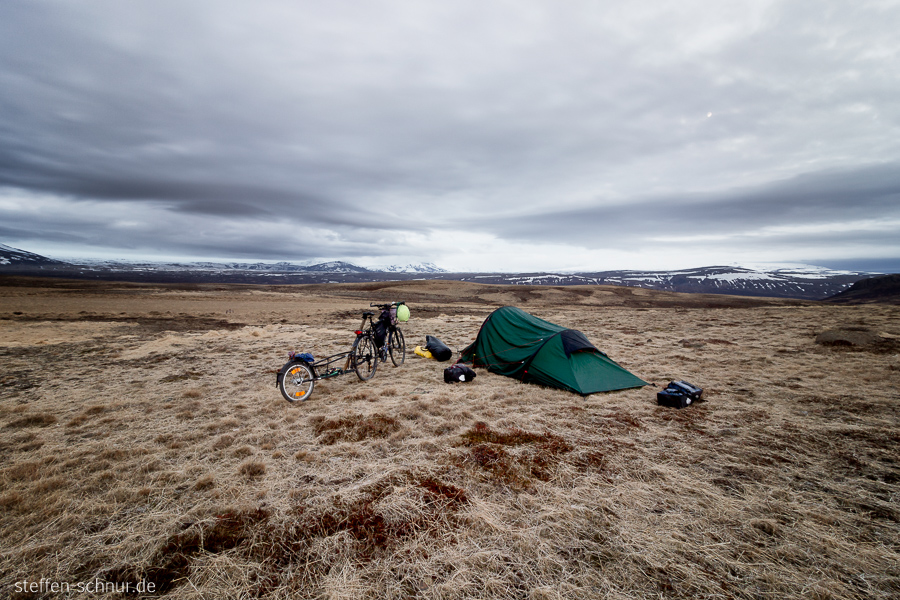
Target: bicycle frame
(345,356)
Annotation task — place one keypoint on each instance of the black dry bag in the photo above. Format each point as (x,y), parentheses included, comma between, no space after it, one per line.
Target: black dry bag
(438,349)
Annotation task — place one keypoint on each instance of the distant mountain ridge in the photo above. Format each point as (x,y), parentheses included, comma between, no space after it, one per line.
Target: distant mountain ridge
(14,256)
(883,289)
(9,255)
(427,267)
(794,281)
(803,282)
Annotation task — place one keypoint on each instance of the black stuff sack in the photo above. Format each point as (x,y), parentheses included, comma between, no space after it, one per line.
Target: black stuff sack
(438,349)
(455,373)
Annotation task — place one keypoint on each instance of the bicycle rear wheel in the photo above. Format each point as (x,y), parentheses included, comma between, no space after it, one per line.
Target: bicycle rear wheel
(296,382)
(365,357)
(397,347)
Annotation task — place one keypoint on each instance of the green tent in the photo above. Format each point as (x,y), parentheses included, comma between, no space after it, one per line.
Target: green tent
(514,343)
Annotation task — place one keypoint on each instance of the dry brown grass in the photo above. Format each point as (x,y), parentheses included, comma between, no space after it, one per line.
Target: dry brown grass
(142,437)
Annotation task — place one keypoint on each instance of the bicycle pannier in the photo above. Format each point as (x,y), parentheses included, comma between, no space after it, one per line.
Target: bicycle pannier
(380,331)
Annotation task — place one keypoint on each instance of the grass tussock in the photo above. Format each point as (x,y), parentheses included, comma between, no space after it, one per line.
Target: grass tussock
(252,469)
(32,420)
(354,428)
(783,484)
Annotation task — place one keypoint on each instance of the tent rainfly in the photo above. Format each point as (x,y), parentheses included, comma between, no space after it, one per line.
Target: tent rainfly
(514,343)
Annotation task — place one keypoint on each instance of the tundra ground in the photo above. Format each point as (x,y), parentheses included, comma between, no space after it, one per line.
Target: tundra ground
(143,440)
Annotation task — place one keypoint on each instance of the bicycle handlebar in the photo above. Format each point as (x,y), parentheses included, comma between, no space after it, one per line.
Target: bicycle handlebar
(389,304)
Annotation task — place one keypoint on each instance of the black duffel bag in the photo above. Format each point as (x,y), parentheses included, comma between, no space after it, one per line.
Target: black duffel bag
(458,372)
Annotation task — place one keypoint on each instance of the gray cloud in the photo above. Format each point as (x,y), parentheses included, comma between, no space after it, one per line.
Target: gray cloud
(370,130)
(829,197)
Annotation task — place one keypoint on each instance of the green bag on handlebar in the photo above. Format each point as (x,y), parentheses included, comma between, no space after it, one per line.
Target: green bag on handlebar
(403,313)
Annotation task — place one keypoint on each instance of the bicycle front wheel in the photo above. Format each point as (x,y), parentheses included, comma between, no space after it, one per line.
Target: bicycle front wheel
(365,357)
(296,381)
(397,348)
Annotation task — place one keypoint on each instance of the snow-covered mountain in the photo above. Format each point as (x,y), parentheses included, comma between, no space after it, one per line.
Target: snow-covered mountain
(791,282)
(794,281)
(335,266)
(783,281)
(427,267)
(14,256)
(9,256)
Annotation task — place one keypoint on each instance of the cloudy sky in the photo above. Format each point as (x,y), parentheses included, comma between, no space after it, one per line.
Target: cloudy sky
(479,135)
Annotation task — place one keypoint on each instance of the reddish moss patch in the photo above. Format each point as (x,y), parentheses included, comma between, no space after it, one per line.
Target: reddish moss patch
(172,562)
(354,428)
(443,491)
(536,461)
(482,433)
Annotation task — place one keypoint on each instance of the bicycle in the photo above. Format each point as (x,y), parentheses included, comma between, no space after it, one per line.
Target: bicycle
(395,345)
(374,343)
